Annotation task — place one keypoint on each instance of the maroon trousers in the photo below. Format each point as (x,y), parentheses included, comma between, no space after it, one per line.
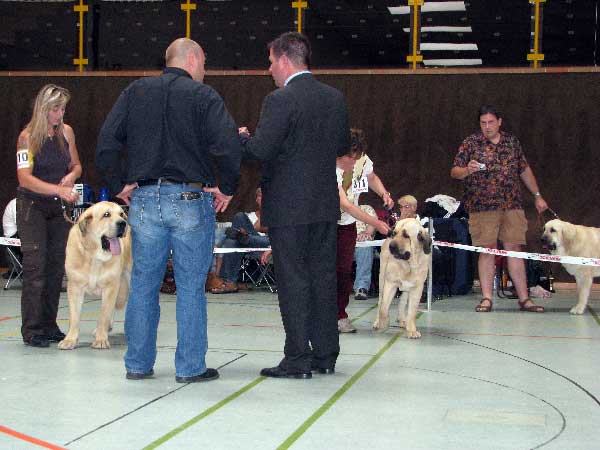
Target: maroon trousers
(346,242)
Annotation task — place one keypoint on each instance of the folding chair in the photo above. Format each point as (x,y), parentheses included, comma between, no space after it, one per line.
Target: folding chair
(16,268)
(256,273)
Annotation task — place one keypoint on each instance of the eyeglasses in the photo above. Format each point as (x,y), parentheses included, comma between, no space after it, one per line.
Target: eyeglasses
(404,206)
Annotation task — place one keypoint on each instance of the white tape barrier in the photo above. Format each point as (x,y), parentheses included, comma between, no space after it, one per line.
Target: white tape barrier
(10,241)
(17,243)
(524,255)
(492,251)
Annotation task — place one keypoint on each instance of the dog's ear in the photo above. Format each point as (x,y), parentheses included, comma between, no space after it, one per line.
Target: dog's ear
(425,240)
(568,232)
(83,223)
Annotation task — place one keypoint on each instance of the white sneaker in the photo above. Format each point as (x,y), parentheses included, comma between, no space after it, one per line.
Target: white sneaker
(345,326)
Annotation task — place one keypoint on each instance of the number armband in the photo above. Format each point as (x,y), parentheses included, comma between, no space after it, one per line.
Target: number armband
(24,159)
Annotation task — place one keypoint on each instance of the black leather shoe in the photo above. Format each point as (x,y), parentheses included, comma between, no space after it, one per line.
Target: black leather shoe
(210,374)
(279,372)
(323,370)
(38,341)
(139,376)
(56,337)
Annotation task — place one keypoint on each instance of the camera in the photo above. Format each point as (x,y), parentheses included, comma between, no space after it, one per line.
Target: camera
(481,166)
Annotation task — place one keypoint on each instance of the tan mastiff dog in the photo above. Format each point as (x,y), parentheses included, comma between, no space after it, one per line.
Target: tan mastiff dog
(565,239)
(404,265)
(98,261)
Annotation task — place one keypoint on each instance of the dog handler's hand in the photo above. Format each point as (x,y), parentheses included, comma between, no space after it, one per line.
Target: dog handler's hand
(540,204)
(221,201)
(67,193)
(382,227)
(126,192)
(388,201)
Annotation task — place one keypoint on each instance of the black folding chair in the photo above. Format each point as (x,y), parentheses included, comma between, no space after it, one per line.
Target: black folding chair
(259,275)
(16,267)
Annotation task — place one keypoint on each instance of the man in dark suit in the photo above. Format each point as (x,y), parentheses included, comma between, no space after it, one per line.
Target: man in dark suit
(303,126)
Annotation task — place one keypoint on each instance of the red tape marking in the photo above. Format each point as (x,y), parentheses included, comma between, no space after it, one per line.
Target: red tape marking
(29,439)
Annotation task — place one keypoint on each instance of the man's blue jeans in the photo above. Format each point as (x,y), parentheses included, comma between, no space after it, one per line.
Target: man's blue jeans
(364,264)
(160,221)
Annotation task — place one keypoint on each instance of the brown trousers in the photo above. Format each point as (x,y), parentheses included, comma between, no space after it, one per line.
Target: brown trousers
(43,231)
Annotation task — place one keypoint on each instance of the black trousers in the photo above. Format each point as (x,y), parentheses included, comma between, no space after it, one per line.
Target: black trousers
(43,231)
(304,259)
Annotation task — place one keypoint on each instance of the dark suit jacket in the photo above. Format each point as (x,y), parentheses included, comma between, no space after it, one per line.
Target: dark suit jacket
(302,128)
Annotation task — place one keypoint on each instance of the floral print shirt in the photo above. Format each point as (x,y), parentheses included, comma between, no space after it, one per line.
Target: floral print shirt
(498,187)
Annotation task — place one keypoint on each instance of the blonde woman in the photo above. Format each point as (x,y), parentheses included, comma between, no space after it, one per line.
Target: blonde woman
(47,168)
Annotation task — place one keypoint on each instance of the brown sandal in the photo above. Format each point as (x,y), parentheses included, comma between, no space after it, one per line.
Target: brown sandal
(532,307)
(484,308)
(227,287)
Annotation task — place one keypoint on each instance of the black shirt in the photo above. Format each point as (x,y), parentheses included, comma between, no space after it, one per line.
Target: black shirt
(169,126)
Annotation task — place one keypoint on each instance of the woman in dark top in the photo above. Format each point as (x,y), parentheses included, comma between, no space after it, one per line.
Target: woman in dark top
(47,167)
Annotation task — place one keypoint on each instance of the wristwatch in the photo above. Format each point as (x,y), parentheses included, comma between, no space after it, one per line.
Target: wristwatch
(537,194)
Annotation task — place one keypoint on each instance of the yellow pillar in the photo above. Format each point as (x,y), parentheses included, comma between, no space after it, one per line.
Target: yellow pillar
(414,57)
(300,5)
(188,8)
(81,61)
(536,56)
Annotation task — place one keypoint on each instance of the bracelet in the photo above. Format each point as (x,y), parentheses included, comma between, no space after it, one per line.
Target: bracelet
(537,194)
(386,193)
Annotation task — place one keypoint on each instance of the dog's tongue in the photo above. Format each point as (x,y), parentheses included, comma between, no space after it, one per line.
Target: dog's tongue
(115,246)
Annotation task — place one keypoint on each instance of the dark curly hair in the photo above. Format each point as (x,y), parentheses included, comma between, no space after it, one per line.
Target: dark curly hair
(358,143)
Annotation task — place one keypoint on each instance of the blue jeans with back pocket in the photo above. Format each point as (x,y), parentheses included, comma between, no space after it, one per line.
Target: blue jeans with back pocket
(161,220)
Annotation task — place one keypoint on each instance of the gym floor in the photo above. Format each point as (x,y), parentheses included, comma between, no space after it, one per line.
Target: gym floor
(501,380)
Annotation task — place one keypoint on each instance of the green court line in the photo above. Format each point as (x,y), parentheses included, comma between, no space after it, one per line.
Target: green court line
(364,313)
(336,396)
(204,414)
(249,386)
(594,315)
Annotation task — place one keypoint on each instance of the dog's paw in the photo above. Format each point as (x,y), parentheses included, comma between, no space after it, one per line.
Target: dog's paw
(577,309)
(67,344)
(413,334)
(100,344)
(378,327)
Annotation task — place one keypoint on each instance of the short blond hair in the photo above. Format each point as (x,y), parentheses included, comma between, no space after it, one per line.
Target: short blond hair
(408,199)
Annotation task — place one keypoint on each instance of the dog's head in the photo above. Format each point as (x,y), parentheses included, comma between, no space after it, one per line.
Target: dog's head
(409,240)
(102,225)
(557,235)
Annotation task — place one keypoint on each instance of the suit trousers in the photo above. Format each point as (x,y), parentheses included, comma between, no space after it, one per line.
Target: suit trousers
(304,261)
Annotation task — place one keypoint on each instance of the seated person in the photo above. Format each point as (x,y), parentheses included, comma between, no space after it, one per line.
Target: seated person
(407,208)
(9,220)
(213,280)
(246,232)
(9,228)
(364,256)
(407,205)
